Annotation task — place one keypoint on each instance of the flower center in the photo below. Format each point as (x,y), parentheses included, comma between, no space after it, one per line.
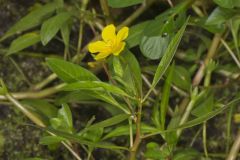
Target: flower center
(111,43)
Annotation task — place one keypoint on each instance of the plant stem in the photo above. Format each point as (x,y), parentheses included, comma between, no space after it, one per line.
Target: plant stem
(205,139)
(31,116)
(130,132)
(137,141)
(231,53)
(235,148)
(45,82)
(186,115)
(81,24)
(137,13)
(36,95)
(106,12)
(199,76)
(211,52)
(229,122)
(72,151)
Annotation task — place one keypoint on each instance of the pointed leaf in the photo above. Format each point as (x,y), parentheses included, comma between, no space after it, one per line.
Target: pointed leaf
(165,96)
(124,130)
(94,85)
(168,56)
(23,42)
(109,122)
(78,139)
(48,140)
(70,72)
(66,113)
(31,20)
(50,27)
(135,70)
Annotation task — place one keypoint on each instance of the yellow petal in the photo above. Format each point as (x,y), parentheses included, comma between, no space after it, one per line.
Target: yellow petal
(119,48)
(98,46)
(109,33)
(101,56)
(122,34)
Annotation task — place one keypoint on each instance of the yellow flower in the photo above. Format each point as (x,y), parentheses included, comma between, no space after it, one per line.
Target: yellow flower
(112,43)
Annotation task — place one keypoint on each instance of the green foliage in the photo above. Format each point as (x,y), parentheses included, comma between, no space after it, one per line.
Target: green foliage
(166,78)
(23,42)
(123,3)
(51,26)
(109,122)
(181,78)
(31,20)
(69,72)
(167,58)
(94,85)
(228,4)
(48,140)
(135,34)
(165,97)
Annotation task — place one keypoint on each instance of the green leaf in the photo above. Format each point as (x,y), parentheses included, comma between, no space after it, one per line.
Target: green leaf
(227,3)
(23,42)
(70,72)
(51,26)
(204,107)
(154,151)
(201,119)
(42,106)
(135,34)
(65,32)
(171,137)
(123,3)
(56,122)
(154,47)
(77,96)
(124,130)
(117,66)
(66,114)
(186,154)
(156,113)
(224,3)
(234,24)
(219,16)
(94,85)
(165,97)
(181,78)
(159,32)
(168,56)
(78,139)
(135,70)
(48,140)
(156,37)
(109,122)
(93,135)
(31,20)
